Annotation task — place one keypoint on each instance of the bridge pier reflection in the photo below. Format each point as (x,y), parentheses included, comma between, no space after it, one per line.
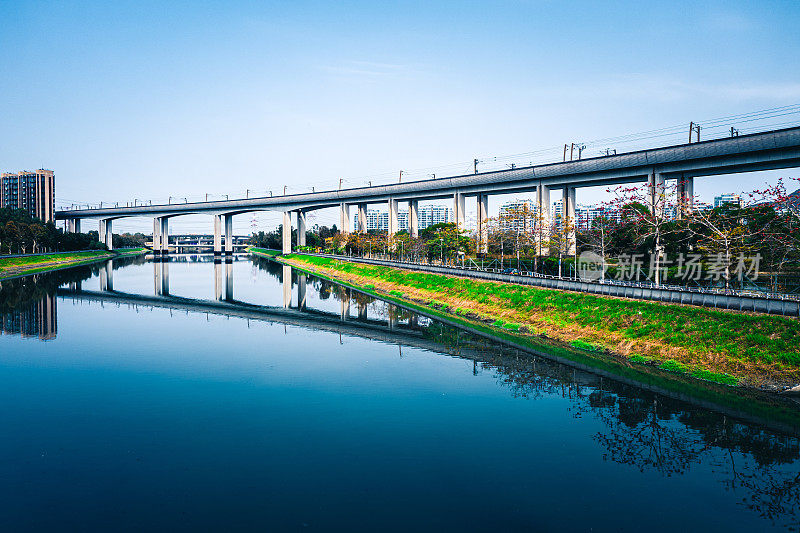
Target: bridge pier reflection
(107,276)
(301,291)
(287,286)
(223,281)
(161,277)
(228,280)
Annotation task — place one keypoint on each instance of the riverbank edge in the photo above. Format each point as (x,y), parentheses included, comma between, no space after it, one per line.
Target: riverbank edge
(746,403)
(35,269)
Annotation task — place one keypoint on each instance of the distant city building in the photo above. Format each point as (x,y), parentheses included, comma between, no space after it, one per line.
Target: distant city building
(428,216)
(587,214)
(518,215)
(36,319)
(729,198)
(31,190)
(379,220)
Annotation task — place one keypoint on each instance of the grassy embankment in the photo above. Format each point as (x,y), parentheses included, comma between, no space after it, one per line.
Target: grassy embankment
(32,264)
(720,346)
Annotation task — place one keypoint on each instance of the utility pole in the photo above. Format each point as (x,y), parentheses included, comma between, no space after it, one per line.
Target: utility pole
(694,128)
(565,152)
(340,183)
(734,132)
(401,177)
(475,165)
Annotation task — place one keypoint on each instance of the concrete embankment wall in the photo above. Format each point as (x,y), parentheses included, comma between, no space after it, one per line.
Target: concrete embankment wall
(717,301)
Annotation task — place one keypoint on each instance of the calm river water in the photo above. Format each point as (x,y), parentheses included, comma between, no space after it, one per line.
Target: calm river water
(194,396)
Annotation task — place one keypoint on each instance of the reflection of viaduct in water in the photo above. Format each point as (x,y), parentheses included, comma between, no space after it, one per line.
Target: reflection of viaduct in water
(640,426)
(392,331)
(396,326)
(37,319)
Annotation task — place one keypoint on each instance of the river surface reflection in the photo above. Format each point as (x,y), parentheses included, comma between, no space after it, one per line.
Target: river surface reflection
(191,395)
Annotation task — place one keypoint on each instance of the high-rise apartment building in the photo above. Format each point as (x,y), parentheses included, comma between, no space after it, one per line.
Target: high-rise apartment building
(729,198)
(31,190)
(428,216)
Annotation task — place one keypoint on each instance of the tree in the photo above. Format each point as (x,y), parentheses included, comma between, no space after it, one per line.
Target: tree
(646,209)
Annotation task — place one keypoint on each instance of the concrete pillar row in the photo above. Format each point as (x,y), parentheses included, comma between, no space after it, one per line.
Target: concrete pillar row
(413,218)
(362,218)
(685,196)
(217,237)
(228,219)
(393,217)
(344,218)
(287,233)
(301,228)
(483,223)
(459,209)
(542,219)
(568,219)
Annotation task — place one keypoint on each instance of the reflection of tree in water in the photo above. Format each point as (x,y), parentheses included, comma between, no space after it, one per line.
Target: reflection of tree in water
(651,432)
(20,292)
(645,430)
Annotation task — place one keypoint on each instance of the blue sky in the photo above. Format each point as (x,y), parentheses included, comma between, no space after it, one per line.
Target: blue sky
(148,100)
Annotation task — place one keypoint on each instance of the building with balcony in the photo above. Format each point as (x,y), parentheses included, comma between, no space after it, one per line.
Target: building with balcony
(31,190)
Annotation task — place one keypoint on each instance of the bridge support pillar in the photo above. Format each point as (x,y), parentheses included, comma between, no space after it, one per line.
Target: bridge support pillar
(685,196)
(104,233)
(483,223)
(542,219)
(286,233)
(228,235)
(458,210)
(362,218)
(217,238)
(413,218)
(344,219)
(392,218)
(74,225)
(301,228)
(164,237)
(157,238)
(656,193)
(568,221)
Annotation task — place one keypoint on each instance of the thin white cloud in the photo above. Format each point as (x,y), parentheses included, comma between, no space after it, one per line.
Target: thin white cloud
(368,69)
